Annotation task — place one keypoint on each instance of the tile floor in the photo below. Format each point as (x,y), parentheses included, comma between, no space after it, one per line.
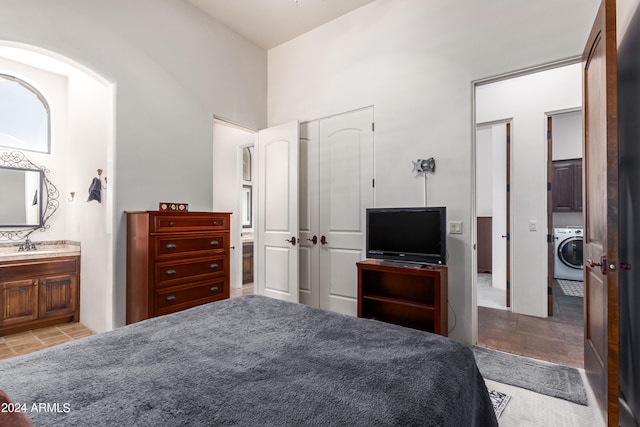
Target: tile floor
(38,339)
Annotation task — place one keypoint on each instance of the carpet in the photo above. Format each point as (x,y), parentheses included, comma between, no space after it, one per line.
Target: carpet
(253,361)
(499,401)
(572,288)
(545,378)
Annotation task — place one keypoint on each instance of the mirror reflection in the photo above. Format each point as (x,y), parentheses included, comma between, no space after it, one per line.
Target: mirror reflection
(20,197)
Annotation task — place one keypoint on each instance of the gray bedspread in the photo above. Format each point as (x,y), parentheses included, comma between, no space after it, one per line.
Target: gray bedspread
(252,361)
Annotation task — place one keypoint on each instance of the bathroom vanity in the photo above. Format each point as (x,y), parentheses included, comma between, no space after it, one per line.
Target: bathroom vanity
(39,287)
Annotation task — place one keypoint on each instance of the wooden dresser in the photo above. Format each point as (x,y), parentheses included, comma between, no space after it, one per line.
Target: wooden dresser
(175,260)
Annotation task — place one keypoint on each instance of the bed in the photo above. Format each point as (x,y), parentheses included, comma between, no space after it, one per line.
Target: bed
(252,360)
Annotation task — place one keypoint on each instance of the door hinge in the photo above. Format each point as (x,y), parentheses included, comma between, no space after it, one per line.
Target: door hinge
(548,186)
(549,238)
(373,182)
(508,188)
(509,139)
(548,134)
(373,127)
(508,285)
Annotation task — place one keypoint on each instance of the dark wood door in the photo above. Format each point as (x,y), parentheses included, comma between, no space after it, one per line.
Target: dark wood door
(485,246)
(599,64)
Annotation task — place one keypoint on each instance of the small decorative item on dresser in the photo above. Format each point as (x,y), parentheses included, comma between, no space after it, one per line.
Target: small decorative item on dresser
(170,206)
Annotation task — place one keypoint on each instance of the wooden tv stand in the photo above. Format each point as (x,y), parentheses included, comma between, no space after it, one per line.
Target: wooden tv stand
(415,297)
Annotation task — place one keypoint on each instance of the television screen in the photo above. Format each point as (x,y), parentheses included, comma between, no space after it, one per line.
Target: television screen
(407,234)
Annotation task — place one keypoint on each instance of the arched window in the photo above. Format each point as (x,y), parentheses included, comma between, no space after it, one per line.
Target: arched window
(24,116)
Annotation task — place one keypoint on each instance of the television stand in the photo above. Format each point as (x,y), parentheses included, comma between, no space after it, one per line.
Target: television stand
(409,264)
(405,295)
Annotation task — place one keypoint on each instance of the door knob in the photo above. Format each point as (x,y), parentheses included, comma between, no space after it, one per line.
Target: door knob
(292,240)
(602,264)
(323,240)
(313,240)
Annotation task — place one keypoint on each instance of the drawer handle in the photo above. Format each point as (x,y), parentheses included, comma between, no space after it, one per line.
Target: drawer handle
(214,243)
(213,266)
(170,246)
(170,298)
(214,289)
(170,272)
(171,224)
(215,222)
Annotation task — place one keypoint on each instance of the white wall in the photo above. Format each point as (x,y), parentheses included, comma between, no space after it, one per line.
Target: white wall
(567,136)
(624,13)
(414,60)
(173,67)
(526,99)
(484,170)
(227,184)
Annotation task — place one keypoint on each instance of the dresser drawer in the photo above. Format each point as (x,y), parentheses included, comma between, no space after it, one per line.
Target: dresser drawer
(177,298)
(189,223)
(173,246)
(171,272)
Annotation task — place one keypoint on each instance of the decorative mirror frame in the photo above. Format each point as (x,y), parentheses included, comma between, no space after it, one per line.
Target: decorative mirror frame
(17,160)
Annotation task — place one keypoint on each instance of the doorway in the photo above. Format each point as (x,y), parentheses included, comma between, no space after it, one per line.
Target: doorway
(493,172)
(525,99)
(233,182)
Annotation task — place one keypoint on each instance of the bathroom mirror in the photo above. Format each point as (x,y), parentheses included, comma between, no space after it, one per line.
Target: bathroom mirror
(27,197)
(20,198)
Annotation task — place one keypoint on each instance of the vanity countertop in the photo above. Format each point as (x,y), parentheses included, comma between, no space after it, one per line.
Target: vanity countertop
(45,249)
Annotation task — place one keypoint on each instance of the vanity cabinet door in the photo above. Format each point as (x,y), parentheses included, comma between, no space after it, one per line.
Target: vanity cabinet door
(19,302)
(57,295)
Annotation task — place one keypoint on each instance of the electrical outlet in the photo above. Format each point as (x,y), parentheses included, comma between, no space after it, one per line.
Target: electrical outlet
(455,227)
(533,225)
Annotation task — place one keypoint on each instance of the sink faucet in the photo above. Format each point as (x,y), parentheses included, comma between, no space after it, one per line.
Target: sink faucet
(28,245)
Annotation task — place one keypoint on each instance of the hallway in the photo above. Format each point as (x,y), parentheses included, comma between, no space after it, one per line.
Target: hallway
(557,339)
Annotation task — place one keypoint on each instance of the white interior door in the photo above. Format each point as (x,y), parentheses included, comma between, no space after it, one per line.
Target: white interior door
(346,190)
(277,237)
(309,210)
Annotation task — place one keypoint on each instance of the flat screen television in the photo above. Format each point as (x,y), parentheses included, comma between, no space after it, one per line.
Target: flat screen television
(415,235)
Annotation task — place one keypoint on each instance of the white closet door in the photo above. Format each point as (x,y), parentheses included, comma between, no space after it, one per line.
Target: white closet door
(309,210)
(277,237)
(346,190)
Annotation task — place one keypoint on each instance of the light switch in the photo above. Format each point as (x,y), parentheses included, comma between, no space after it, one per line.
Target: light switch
(455,227)
(533,225)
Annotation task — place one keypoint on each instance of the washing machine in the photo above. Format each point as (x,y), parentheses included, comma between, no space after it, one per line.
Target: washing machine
(568,254)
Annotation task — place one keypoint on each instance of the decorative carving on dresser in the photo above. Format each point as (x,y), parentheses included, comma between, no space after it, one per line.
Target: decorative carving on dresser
(175,260)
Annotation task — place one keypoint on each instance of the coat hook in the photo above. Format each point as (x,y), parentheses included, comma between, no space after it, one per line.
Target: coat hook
(73,195)
(104,186)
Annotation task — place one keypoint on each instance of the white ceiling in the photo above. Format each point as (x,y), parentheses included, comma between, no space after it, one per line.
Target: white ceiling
(268,23)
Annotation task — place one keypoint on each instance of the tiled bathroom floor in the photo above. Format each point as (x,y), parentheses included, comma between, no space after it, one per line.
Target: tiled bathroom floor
(38,339)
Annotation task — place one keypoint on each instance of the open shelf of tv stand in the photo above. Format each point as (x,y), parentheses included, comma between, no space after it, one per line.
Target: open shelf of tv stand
(411,296)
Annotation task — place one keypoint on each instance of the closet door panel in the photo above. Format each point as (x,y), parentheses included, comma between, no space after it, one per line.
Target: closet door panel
(346,190)
(309,214)
(278,210)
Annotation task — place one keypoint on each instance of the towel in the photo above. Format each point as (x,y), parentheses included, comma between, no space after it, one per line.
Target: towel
(95,190)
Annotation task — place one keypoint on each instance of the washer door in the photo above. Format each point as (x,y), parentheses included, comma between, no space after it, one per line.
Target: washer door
(570,252)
